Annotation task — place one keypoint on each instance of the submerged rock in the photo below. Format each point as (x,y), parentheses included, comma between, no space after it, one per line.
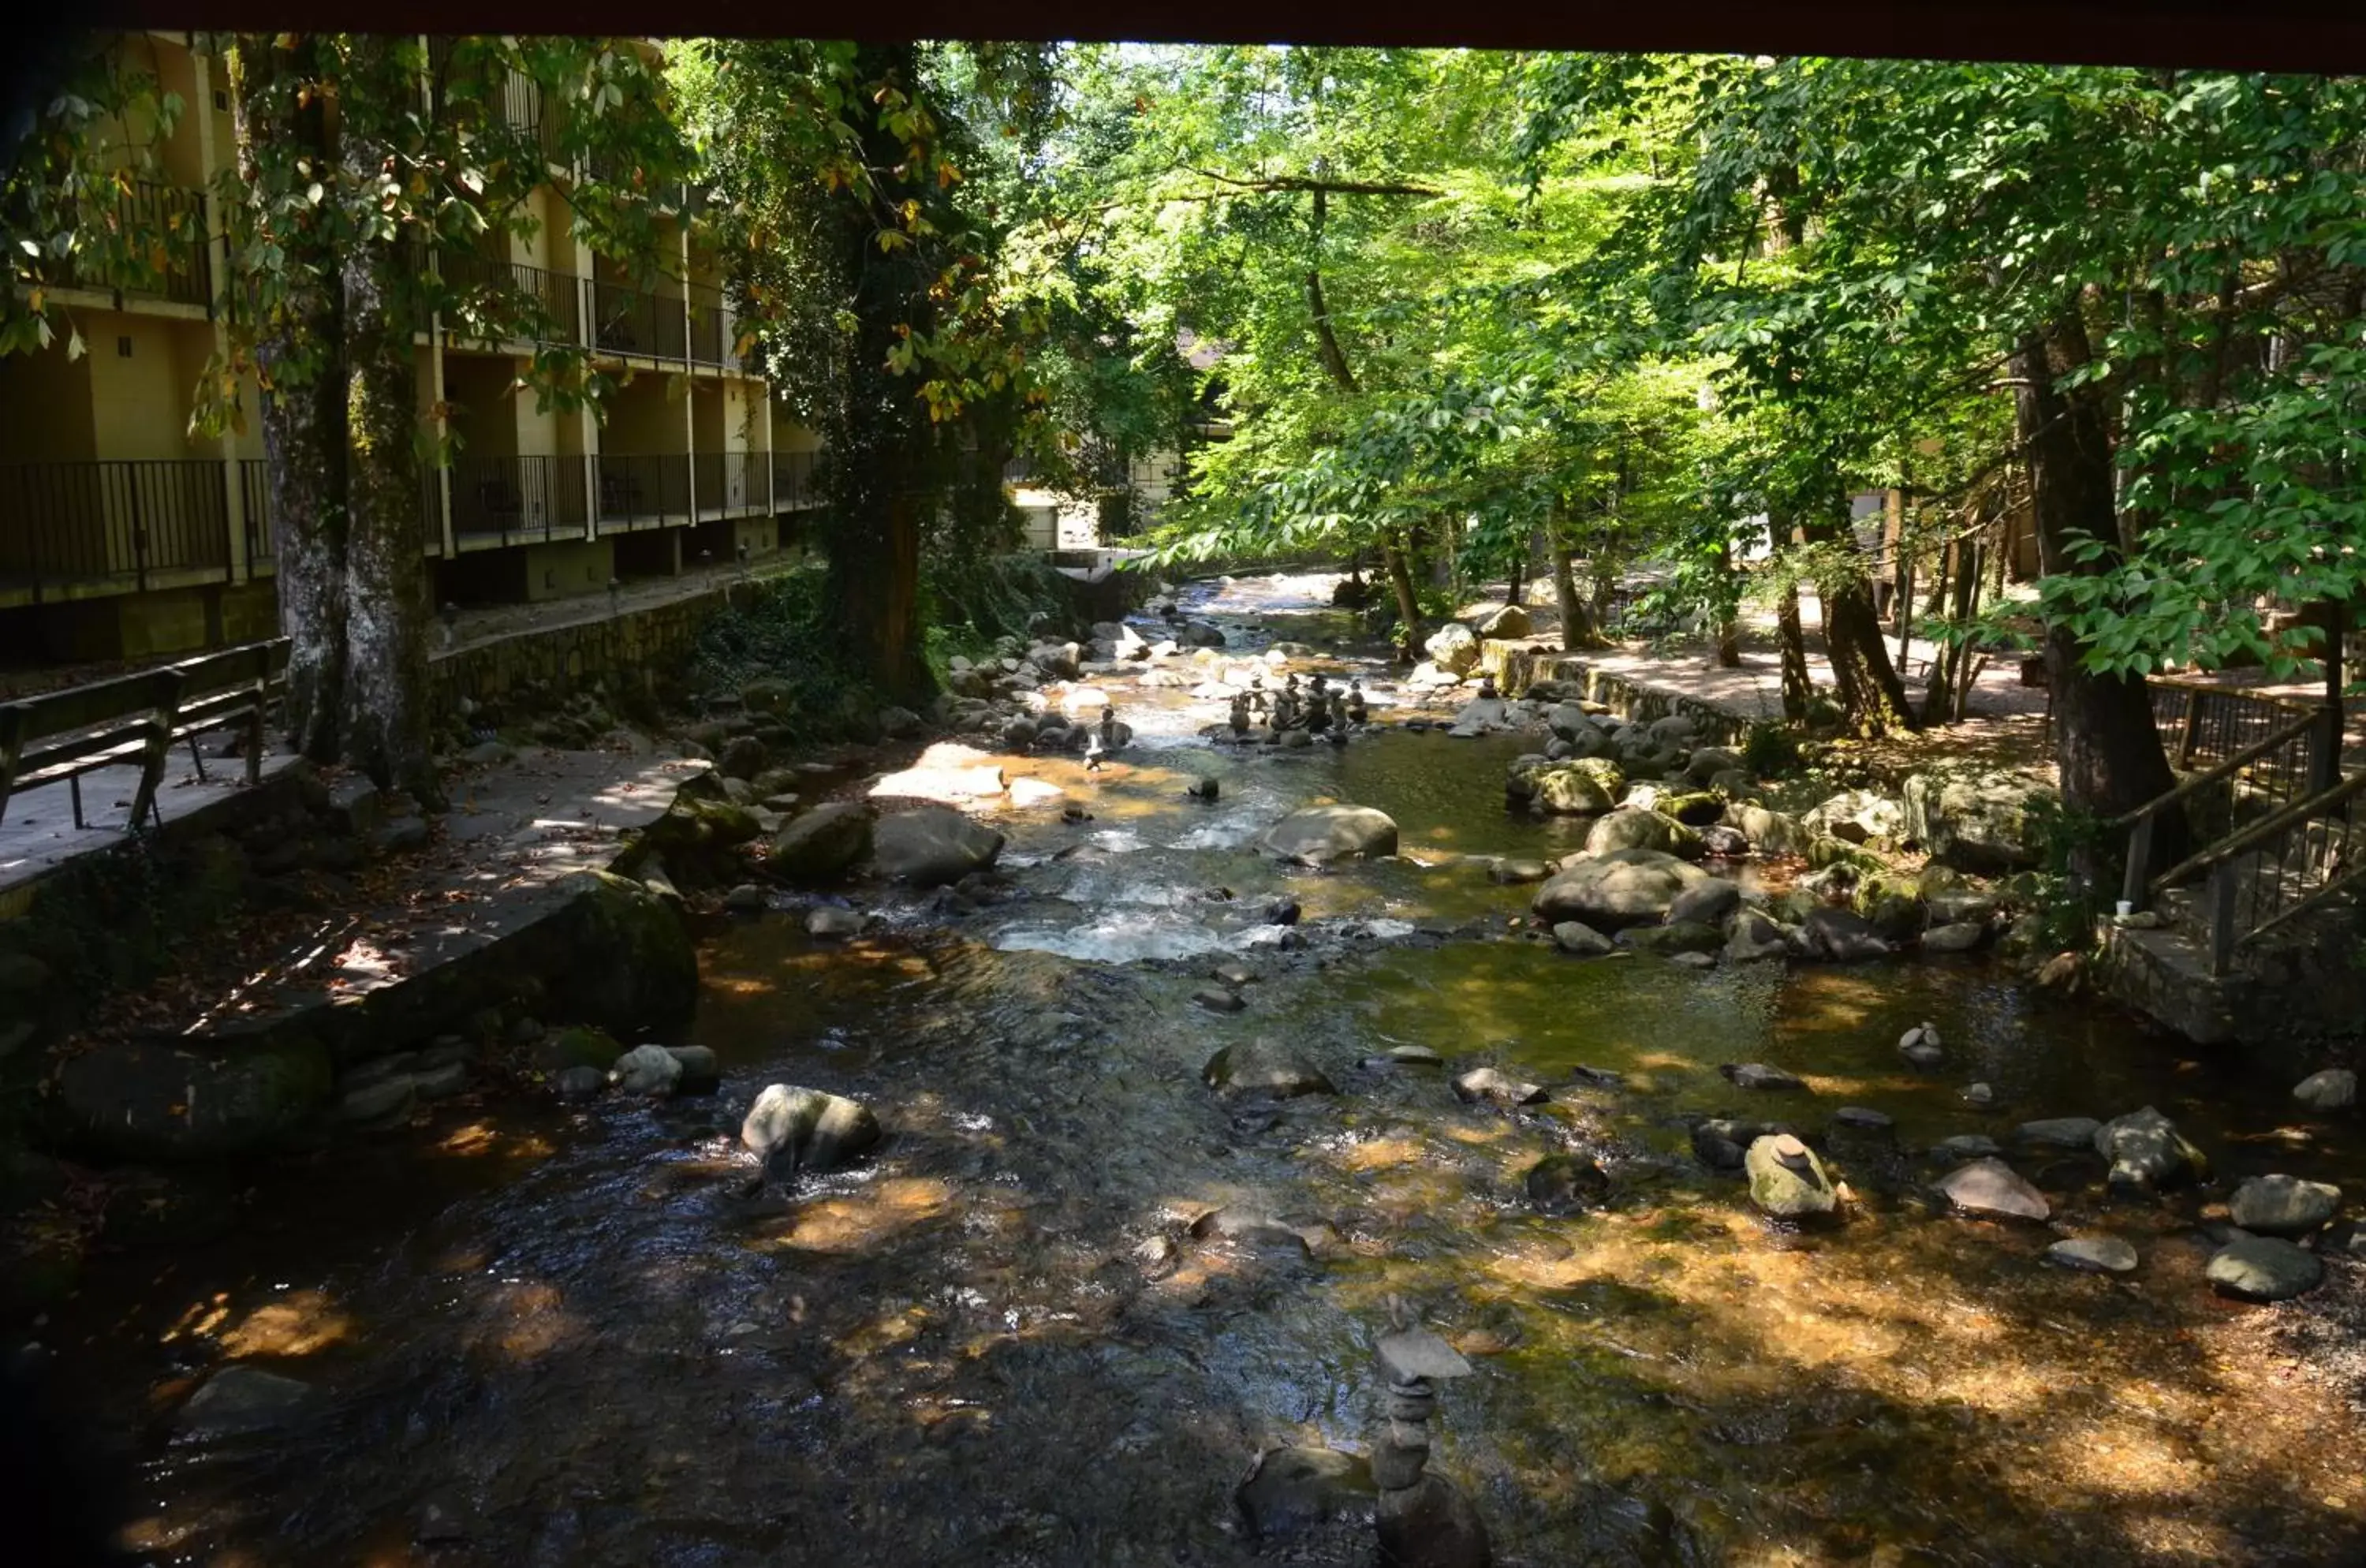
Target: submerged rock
(1562,1183)
(1966,1146)
(932,845)
(1218,999)
(2146,1152)
(1493,1084)
(824,844)
(1577,937)
(1292,1491)
(2093,1255)
(2264,1269)
(1625,887)
(1921,1045)
(1758,1075)
(646,1069)
(1993,1189)
(2059,1131)
(1786,1180)
(240,1401)
(2332,1089)
(1263,1067)
(1321,835)
(1707,903)
(2284,1205)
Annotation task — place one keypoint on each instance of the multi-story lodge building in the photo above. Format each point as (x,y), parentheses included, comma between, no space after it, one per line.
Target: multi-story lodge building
(123,536)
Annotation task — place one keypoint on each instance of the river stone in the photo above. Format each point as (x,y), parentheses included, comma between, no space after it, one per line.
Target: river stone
(1409,1354)
(1453,648)
(1217,999)
(1502,622)
(1630,828)
(1292,1491)
(378,1099)
(1322,834)
(1856,816)
(1678,940)
(1966,1146)
(1561,1183)
(1862,1118)
(747,899)
(2093,1255)
(441,1081)
(238,1401)
(791,1129)
(1786,1180)
(2332,1089)
(1709,903)
(1758,1075)
(702,1070)
(1754,937)
(1577,937)
(1772,833)
(1625,887)
(1412,1057)
(2264,1269)
(1843,935)
(1511,873)
(1961,937)
(2284,1205)
(929,846)
(578,1082)
(1979,1094)
(833,922)
(1718,1141)
(1263,1067)
(824,844)
(1922,1047)
(2059,1131)
(2147,1152)
(1993,1189)
(1492,1084)
(1979,822)
(646,1069)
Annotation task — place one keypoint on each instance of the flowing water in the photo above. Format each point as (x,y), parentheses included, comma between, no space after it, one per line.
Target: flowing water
(998,1341)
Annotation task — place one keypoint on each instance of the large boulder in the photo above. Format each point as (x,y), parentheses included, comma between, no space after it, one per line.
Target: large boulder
(1630,828)
(1776,834)
(2263,1268)
(1504,621)
(154,1099)
(1453,648)
(1320,834)
(794,1129)
(1857,816)
(2146,1152)
(1625,887)
(1843,935)
(2334,1088)
(2284,1205)
(1575,787)
(630,962)
(932,845)
(1708,903)
(1974,821)
(1786,1180)
(1991,1190)
(824,844)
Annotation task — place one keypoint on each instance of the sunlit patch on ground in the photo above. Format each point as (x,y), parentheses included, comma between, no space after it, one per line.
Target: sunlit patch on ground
(297,1325)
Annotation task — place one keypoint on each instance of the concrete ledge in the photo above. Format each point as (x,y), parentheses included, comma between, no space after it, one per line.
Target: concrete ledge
(1518,666)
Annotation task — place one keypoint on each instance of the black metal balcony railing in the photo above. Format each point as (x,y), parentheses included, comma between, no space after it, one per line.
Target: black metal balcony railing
(746,482)
(642,492)
(556,298)
(179,267)
(709,324)
(632,320)
(793,481)
(254,493)
(520,98)
(119,523)
(515,500)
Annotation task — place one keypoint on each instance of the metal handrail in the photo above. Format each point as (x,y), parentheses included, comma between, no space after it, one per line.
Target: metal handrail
(2260,833)
(2225,770)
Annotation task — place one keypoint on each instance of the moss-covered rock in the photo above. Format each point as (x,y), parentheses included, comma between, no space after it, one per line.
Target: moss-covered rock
(631,964)
(154,1099)
(581,1046)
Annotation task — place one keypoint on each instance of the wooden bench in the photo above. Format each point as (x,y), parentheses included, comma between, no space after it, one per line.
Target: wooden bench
(136,719)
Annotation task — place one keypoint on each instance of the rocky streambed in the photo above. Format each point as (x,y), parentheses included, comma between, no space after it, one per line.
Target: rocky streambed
(1770,1229)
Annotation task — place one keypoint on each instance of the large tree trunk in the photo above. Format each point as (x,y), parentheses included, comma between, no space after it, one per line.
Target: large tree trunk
(298,353)
(1577,628)
(1870,694)
(2108,747)
(386,558)
(1393,560)
(1799,685)
(1728,630)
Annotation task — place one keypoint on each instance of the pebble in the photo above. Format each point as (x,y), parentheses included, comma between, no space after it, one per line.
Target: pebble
(1978,1094)
(1863,1117)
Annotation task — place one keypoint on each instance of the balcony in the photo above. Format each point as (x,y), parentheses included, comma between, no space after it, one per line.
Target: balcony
(179,268)
(642,492)
(515,501)
(118,527)
(553,299)
(733,483)
(634,322)
(709,325)
(793,481)
(262,551)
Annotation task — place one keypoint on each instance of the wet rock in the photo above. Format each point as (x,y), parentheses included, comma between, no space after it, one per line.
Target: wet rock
(1251,1230)
(1862,1118)
(900,723)
(1205,787)
(1992,1190)
(1720,1141)
(1502,623)
(1453,648)
(1292,1491)
(1921,1045)
(1693,960)
(1409,1056)
(1776,834)
(2264,1269)
(1966,1146)
(646,1070)
(1753,938)
(1857,816)
(702,1070)
(1577,937)
(1978,1094)
(1511,873)
(2093,1255)
(1843,935)
(795,1129)
(1786,1180)
(824,843)
(1575,786)
(578,1082)
(2332,1089)
(1263,1067)
(2146,1152)
(1720,842)
(1497,1087)
(2058,1132)
(1625,887)
(833,922)
(1431,1524)
(1216,999)
(442,1081)
(1979,822)
(443,1520)
(577,1046)
(748,899)
(1630,828)
(381,1098)
(1321,835)
(1564,1183)
(1708,903)
(1759,1075)
(742,758)
(2284,1205)
(240,1401)
(1279,912)
(1961,937)
(932,845)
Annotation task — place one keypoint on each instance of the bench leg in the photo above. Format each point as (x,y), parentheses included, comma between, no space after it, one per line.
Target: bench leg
(197,758)
(73,787)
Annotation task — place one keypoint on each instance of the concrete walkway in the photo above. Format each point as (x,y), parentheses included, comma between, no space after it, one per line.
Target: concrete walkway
(37,832)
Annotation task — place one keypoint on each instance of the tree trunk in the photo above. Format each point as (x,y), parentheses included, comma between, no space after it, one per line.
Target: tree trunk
(1871,695)
(297,352)
(1798,686)
(1729,631)
(1393,561)
(386,556)
(1577,628)
(1516,587)
(2108,747)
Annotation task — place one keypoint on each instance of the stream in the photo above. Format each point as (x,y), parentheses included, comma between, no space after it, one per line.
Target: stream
(1014,1336)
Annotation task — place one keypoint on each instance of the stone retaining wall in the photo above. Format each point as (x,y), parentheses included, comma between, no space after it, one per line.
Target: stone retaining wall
(1518,666)
(629,652)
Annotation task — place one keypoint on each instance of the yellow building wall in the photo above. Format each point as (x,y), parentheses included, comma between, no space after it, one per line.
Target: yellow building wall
(141,399)
(45,408)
